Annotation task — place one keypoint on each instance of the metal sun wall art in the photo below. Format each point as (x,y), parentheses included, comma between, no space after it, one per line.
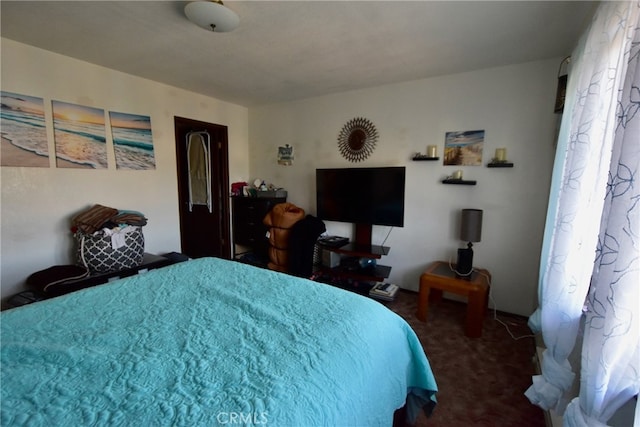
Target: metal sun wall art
(357,139)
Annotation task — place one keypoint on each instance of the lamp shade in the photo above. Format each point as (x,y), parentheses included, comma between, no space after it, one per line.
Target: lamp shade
(471,225)
(212,15)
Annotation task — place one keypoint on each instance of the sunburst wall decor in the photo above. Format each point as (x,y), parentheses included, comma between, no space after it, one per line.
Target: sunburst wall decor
(357,139)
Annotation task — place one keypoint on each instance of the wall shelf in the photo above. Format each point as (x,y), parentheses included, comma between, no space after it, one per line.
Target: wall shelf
(500,165)
(422,157)
(458,182)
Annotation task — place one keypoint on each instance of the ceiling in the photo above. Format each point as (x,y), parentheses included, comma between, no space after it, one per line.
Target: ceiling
(288,50)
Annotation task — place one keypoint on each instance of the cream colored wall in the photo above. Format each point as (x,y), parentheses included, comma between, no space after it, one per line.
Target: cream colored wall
(37,202)
(513,104)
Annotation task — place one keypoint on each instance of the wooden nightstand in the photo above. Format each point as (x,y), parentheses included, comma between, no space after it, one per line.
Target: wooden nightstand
(439,277)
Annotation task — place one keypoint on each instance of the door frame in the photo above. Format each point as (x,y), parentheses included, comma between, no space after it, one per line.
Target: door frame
(220,175)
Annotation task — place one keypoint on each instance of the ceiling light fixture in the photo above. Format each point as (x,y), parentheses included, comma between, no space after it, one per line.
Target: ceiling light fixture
(212,15)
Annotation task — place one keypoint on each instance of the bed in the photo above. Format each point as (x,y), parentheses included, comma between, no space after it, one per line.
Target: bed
(208,342)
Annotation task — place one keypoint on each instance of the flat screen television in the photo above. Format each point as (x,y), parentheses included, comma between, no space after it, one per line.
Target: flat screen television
(363,196)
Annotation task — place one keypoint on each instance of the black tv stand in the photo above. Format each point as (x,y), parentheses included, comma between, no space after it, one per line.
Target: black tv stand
(362,251)
(360,248)
(348,284)
(363,234)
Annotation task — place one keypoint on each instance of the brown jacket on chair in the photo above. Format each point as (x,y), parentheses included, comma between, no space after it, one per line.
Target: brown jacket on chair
(280,220)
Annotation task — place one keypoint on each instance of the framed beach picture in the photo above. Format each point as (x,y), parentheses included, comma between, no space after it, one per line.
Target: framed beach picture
(463,148)
(24,132)
(79,135)
(132,141)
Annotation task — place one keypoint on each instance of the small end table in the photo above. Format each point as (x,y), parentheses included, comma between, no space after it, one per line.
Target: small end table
(439,277)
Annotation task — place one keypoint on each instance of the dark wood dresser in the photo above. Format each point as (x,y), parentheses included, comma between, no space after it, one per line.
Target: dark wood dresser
(249,232)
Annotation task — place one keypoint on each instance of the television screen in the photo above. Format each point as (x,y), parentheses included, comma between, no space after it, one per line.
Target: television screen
(372,196)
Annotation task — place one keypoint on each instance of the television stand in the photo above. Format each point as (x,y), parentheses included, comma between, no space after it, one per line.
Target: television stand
(361,248)
(363,234)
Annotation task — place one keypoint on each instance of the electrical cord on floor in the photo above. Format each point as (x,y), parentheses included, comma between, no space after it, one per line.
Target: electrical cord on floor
(495,310)
(495,317)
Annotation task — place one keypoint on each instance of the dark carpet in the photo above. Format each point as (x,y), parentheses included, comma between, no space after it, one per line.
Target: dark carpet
(481,381)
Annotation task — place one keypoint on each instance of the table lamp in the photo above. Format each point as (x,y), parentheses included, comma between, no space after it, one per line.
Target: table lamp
(470,231)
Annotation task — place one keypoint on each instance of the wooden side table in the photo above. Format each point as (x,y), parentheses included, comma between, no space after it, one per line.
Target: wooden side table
(439,277)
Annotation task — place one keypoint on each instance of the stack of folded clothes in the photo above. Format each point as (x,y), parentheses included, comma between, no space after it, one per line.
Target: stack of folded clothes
(99,217)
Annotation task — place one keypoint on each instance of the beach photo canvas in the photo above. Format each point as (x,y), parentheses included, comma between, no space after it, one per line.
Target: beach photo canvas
(463,148)
(79,135)
(24,132)
(132,141)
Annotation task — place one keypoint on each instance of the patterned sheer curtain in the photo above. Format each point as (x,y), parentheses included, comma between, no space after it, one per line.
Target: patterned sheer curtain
(592,238)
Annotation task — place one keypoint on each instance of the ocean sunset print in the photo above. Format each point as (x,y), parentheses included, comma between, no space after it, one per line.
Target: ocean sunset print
(79,134)
(132,141)
(24,133)
(464,148)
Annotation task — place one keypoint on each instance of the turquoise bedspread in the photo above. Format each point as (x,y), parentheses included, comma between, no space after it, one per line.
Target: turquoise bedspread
(209,342)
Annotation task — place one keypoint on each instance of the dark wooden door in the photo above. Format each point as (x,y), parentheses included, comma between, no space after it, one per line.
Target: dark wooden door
(204,229)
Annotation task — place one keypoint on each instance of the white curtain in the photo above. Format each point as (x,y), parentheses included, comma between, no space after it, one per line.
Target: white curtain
(592,238)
